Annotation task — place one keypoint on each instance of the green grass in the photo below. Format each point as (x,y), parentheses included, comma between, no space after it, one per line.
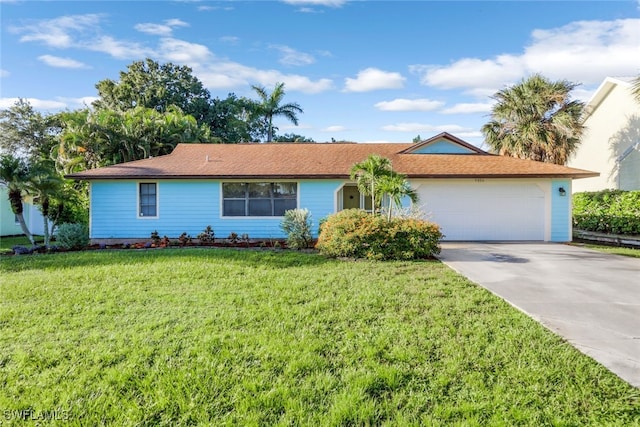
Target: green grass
(224,337)
(631,252)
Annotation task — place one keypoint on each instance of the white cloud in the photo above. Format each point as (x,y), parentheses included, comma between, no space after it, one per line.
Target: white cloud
(583,52)
(290,56)
(38,104)
(154,29)
(57,104)
(57,32)
(210,8)
(119,49)
(227,75)
(422,127)
(58,62)
(183,52)
(4,73)
(374,79)
(176,22)
(469,108)
(334,128)
(229,39)
(401,104)
(329,3)
(165,29)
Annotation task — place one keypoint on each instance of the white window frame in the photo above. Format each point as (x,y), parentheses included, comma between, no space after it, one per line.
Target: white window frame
(138,212)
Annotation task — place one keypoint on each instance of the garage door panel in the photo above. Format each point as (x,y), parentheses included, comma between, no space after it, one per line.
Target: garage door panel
(486,212)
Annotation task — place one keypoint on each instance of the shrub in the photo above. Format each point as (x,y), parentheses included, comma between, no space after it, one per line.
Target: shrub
(207,235)
(297,225)
(184,239)
(355,233)
(608,211)
(155,237)
(72,236)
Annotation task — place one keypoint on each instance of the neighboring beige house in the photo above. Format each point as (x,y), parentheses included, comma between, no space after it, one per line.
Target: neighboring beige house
(611,142)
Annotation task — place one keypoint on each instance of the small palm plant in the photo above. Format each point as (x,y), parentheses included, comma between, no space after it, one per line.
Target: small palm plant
(368,174)
(396,187)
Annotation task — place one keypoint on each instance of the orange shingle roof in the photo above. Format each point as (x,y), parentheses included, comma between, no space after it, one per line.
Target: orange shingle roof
(246,161)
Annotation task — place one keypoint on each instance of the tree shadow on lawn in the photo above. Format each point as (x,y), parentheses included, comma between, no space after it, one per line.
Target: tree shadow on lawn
(251,258)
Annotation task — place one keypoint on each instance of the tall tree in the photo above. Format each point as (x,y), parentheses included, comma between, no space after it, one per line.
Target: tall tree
(368,174)
(25,132)
(234,120)
(271,106)
(536,119)
(14,174)
(395,186)
(157,86)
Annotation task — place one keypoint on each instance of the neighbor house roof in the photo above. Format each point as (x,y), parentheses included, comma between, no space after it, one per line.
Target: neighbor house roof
(603,91)
(320,160)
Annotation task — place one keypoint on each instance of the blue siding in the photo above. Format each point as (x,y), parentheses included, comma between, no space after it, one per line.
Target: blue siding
(189,206)
(320,198)
(561,211)
(442,146)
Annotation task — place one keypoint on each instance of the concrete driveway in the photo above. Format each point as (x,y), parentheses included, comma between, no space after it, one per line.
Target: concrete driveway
(590,298)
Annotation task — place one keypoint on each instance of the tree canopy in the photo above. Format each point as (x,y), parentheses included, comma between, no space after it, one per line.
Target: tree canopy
(157,86)
(536,119)
(92,139)
(25,132)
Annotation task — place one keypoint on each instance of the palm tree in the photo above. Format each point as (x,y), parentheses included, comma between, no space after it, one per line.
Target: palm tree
(368,173)
(14,174)
(635,88)
(396,187)
(536,119)
(269,107)
(44,184)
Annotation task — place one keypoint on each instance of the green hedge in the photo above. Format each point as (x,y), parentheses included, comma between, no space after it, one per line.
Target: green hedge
(355,233)
(608,211)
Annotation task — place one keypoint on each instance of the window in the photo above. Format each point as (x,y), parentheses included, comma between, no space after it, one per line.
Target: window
(148,199)
(258,198)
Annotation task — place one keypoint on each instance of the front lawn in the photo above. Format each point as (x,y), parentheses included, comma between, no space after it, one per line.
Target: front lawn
(226,337)
(616,250)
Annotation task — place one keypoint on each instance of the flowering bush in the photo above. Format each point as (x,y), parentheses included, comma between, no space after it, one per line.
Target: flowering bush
(358,234)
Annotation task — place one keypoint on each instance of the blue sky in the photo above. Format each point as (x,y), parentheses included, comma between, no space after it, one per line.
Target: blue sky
(364,71)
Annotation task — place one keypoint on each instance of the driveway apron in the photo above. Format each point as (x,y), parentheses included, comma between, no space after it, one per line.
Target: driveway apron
(592,299)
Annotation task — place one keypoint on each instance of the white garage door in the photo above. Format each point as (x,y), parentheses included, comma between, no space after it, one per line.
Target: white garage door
(485,210)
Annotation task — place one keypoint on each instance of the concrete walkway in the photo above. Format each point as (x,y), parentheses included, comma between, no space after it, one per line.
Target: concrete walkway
(590,298)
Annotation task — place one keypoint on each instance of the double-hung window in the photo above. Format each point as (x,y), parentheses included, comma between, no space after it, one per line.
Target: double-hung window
(258,198)
(148,199)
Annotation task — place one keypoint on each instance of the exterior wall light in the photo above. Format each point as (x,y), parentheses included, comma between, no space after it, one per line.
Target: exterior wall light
(562,191)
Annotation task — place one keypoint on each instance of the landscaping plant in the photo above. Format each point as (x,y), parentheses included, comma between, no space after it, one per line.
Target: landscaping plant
(354,233)
(608,211)
(297,225)
(72,236)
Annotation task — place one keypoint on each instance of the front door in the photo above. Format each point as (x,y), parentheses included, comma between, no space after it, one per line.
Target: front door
(352,199)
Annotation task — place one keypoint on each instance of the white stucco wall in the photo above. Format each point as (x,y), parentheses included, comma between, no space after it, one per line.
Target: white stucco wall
(612,127)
